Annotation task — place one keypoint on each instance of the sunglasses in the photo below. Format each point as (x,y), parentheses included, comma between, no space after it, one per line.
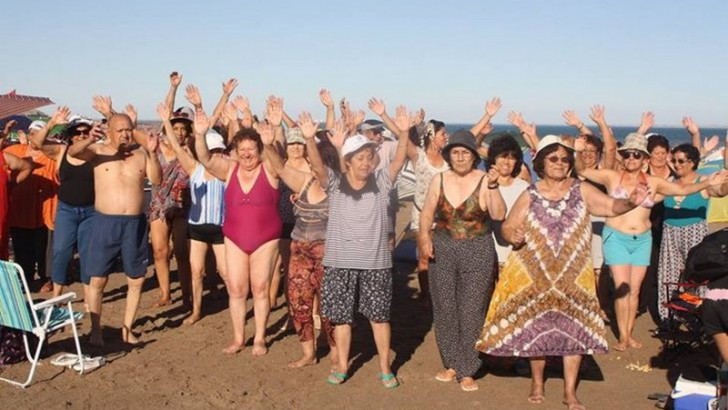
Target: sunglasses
(632,154)
(554,159)
(680,161)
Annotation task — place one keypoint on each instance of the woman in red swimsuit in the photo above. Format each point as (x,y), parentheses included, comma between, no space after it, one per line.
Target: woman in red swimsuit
(252,225)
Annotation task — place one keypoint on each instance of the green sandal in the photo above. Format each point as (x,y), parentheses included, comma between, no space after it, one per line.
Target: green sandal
(389,380)
(336,378)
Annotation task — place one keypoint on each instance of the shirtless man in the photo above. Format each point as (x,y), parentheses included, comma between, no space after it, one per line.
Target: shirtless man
(119,224)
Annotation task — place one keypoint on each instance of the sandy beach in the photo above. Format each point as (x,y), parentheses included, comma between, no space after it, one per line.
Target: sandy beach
(182,367)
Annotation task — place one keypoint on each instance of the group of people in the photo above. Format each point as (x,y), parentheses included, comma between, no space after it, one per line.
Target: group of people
(511,239)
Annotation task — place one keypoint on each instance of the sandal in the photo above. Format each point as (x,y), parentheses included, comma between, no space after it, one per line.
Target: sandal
(336,378)
(67,359)
(89,363)
(389,380)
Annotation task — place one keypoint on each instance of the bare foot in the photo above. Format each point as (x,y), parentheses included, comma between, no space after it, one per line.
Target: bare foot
(634,344)
(127,336)
(191,320)
(468,384)
(162,302)
(621,346)
(537,394)
(259,349)
(446,375)
(302,362)
(574,404)
(96,338)
(233,348)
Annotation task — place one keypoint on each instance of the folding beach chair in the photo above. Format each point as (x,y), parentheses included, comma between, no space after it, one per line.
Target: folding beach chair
(18,311)
(685,327)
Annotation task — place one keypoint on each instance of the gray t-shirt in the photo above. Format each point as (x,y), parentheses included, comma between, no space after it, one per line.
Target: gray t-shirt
(356,235)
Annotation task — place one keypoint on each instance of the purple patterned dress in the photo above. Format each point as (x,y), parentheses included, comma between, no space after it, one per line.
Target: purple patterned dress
(171,198)
(545,301)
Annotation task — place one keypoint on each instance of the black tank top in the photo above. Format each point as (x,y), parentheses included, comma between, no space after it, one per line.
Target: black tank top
(77,183)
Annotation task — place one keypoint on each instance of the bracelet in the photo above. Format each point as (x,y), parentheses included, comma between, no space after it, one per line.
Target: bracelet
(493,186)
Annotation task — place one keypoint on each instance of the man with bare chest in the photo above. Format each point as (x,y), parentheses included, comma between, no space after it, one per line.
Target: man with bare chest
(119,225)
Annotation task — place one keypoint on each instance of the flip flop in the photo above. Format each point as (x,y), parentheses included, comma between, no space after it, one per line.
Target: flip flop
(473,387)
(445,377)
(389,380)
(67,359)
(336,378)
(657,396)
(90,363)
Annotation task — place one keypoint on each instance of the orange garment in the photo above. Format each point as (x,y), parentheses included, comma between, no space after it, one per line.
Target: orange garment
(33,201)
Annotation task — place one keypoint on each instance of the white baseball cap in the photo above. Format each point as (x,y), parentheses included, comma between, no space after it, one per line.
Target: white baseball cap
(214,140)
(37,125)
(355,143)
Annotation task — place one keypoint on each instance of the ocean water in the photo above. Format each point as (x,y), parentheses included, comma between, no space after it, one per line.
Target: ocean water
(676,135)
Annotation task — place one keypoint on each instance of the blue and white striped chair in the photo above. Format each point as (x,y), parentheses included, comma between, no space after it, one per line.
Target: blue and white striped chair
(18,311)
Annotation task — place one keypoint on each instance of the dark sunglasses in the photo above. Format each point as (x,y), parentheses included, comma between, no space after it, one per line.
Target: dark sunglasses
(86,131)
(680,161)
(554,159)
(632,154)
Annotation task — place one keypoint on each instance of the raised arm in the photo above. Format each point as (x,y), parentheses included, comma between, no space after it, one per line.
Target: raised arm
(102,105)
(314,157)
(328,102)
(667,188)
(230,119)
(274,116)
(402,122)
(7,130)
(572,119)
(646,122)
(175,79)
(528,131)
(491,108)
(215,165)
(600,176)
(38,141)
(694,131)
(227,90)
(154,168)
(19,168)
(184,157)
(83,149)
(292,177)
(610,143)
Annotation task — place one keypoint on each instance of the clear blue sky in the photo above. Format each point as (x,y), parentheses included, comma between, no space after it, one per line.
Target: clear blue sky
(540,57)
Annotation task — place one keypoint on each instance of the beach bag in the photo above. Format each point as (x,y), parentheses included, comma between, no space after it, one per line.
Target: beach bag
(11,346)
(708,260)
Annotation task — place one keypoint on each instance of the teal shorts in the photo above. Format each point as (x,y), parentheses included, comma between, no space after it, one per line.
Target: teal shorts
(626,249)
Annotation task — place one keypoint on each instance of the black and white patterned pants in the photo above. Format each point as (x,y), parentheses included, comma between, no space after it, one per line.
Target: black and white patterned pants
(461,284)
(346,289)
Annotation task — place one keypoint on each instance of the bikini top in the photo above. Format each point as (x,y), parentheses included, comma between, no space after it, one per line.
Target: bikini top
(621,193)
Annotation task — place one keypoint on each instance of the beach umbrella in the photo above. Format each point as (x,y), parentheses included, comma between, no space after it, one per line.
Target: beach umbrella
(12,103)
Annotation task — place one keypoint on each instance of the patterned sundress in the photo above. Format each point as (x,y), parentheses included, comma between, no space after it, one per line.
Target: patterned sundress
(545,301)
(171,198)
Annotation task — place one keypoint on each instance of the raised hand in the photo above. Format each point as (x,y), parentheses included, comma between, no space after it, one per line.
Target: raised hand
(59,117)
(325,97)
(344,107)
(580,143)
(647,121)
(419,117)
(377,106)
(102,105)
(307,125)
(571,118)
(597,114)
(338,134)
(164,112)
(358,118)
(516,119)
(201,123)
(402,118)
(711,143)
(9,127)
(492,106)
(131,112)
(229,112)
(487,129)
(192,94)
(241,103)
(97,132)
(229,86)
(690,125)
(274,110)
(175,79)
(152,142)
(529,129)
(267,133)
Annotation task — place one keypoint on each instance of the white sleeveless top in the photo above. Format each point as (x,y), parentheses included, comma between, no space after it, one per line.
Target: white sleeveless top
(424,172)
